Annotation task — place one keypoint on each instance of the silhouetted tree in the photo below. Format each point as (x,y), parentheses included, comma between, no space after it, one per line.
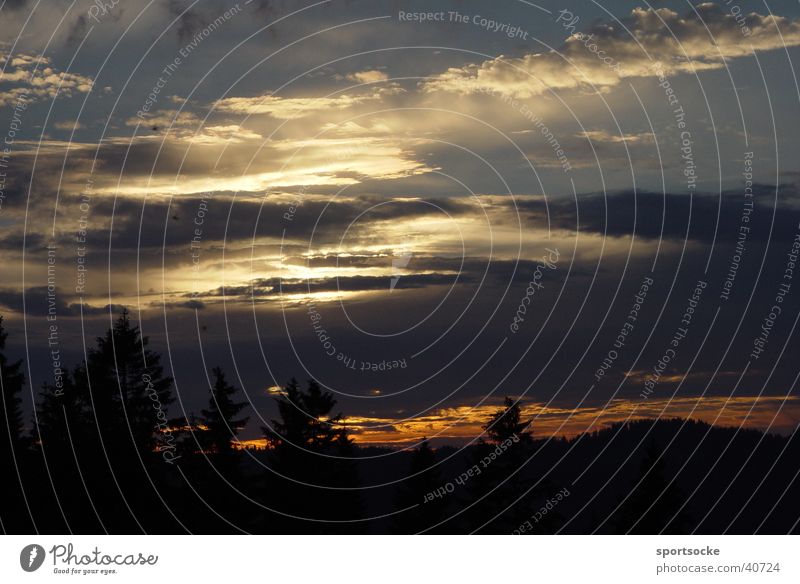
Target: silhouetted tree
(62,418)
(499,481)
(215,471)
(506,423)
(346,503)
(79,476)
(62,432)
(12,380)
(420,510)
(220,418)
(14,516)
(189,435)
(127,400)
(305,422)
(653,504)
(129,389)
(312,475)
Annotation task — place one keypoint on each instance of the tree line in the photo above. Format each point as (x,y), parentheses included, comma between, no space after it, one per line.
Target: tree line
(102,455)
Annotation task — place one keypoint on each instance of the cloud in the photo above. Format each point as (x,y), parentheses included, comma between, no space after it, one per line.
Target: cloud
(169,118)
(275,287)
(68,125)
(350,128)
(37,303)
(189,21)
(385,165)
(35,79)
(185,126)
(369,76)
(15,4)
(466,422)
(604,136)
(287,108)
(652,42)
(189,304)
(248,165)
(704,217)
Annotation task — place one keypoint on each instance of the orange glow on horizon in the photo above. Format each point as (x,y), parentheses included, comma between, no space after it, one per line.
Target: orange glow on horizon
(464,423)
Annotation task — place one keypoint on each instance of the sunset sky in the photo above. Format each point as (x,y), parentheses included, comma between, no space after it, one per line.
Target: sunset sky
(347,192)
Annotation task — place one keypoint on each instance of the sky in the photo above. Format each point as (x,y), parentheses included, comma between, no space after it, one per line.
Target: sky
(424,206)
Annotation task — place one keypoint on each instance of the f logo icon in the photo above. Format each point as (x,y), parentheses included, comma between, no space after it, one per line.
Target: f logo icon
(31,557)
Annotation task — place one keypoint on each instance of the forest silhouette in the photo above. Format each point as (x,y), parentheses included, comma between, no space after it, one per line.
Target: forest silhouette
(101,454)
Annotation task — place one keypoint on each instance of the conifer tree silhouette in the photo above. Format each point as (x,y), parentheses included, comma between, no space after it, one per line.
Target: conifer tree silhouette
(419,510)
(74,481)
(62,431)
(129,387)
(220,418)
(12,380)
(345,503)
(500,460)
(62,417)
(212,463)
(305,420)
(654,504)
(311,475)
(14,516)
(506,424)
(127,399)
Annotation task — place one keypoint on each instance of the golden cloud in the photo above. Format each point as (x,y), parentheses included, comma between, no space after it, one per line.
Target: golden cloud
(653,42)
(287,108)
(36,80)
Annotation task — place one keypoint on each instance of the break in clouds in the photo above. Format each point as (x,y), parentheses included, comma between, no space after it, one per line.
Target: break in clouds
(422,208)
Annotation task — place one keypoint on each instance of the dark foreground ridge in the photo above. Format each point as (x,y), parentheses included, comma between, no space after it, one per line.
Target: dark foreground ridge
(104,457)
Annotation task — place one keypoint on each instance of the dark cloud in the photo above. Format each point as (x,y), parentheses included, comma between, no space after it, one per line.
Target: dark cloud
(189,304)
(159,224)
(78,30)
(190,20)
(276,286)
(15,4)
(38,303)
(702,217)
